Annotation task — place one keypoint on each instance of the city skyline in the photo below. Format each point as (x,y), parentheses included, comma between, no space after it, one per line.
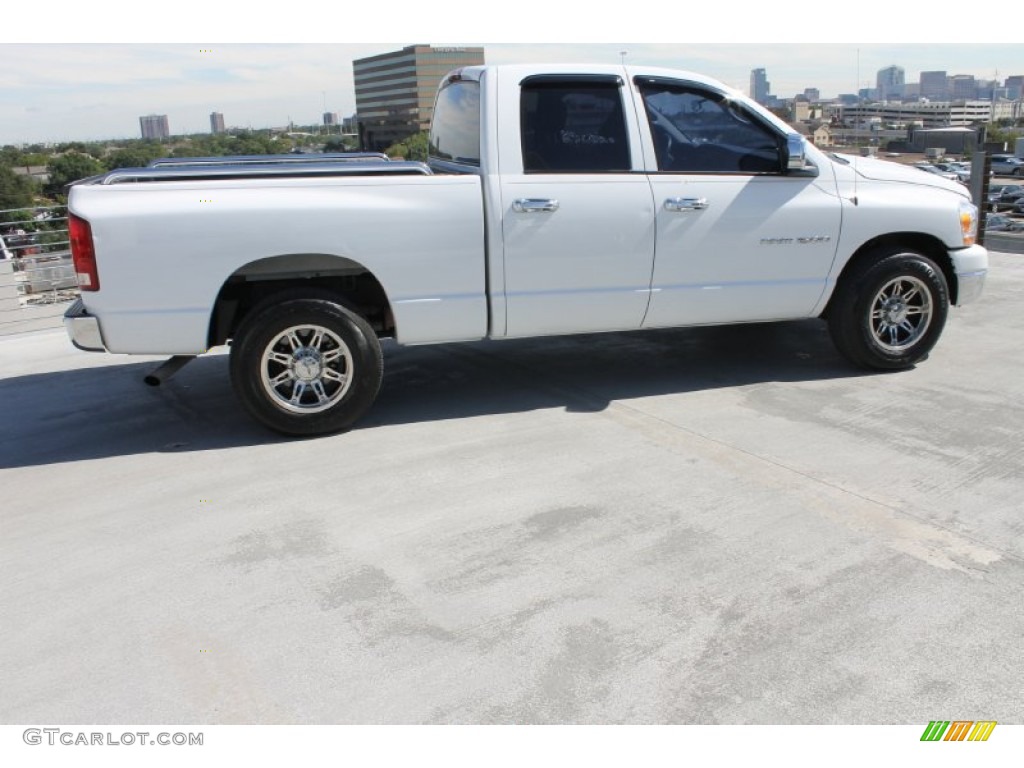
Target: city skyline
(46,98)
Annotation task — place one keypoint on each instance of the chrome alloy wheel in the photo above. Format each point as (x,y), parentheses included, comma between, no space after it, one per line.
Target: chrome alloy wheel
(901,313)
(306,369)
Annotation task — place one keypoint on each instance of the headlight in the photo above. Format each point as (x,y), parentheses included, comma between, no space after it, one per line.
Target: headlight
(968,222)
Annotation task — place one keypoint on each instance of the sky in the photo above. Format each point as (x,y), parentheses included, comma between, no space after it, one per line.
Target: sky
(77,78)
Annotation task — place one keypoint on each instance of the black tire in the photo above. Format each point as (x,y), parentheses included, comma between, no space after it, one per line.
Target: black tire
(888,313)
(300,383)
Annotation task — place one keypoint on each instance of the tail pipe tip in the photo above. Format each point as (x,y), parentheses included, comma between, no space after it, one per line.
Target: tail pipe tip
(166,369)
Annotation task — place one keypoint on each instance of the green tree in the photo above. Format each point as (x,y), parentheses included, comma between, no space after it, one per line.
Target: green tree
(133,157)
(16,158)
(16,191)
(67,168)
(336,144)
(412,148)
(257,144)
(10,155)
(1001,134)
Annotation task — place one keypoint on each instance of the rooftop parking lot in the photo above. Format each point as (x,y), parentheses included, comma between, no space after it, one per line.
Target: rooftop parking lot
(717,525)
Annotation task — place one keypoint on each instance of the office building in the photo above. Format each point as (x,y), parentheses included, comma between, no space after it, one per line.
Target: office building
(154,127)
(889,83)
(216,122)
(760,88)
(330,118)
(963,87)
(1014,86)
(395,91)
(935,85)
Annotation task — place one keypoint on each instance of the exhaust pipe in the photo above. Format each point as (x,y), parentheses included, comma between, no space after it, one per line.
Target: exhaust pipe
(168,368)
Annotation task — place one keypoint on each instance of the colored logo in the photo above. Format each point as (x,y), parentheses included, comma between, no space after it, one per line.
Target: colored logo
(958,730)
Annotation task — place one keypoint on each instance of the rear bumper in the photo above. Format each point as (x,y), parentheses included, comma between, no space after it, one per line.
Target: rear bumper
(971,267)
(83,329)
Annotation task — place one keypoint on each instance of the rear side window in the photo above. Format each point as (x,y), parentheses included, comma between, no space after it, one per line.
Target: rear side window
(455,126)
(573,127)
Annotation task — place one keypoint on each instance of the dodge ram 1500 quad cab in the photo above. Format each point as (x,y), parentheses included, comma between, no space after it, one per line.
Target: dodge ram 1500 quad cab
(556,200)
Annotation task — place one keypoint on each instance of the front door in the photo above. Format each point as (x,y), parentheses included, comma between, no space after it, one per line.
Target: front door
(738,239)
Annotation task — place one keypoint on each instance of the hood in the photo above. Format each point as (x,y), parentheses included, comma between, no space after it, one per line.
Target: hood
(885,170)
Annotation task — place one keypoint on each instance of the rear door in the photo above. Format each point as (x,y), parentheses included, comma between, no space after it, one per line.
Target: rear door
(577,212)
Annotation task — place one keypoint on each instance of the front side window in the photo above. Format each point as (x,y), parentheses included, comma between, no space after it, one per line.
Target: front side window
(573,127)
(455,126)
(697,131)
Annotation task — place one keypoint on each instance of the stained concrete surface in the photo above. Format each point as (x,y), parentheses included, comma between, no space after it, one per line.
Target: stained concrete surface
(718,525)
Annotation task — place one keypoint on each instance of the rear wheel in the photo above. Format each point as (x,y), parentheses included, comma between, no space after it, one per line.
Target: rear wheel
(889,313)
(306,366)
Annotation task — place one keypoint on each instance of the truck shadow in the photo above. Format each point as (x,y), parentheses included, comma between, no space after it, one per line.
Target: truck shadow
(97,412)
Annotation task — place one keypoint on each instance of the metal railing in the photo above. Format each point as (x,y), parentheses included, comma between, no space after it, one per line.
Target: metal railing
(34,241)
(37,277)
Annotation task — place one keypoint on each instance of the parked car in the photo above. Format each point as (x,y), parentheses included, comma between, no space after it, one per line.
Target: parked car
(961,170)
(929,168)
(1007,165)
(1000,222)
(1018,209)
(1006,197)
(18,243)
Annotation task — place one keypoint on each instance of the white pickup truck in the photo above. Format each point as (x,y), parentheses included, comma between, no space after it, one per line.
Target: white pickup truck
(556,200)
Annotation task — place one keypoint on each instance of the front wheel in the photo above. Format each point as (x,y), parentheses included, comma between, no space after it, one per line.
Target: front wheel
(889,313)
(306,366)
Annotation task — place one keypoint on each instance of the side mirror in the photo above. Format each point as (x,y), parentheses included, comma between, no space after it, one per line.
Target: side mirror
(796,153)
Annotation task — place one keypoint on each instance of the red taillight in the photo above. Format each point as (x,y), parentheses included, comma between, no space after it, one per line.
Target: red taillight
(83,253)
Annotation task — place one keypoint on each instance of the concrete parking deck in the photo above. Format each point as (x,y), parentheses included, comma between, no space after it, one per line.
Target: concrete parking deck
(719,525)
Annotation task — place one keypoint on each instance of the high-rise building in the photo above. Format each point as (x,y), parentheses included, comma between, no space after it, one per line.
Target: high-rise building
(801,109)
(1014,86)
(330,118)
(216,122)
(935,85)
(813,95)
(989,89)
(890,83)
(154,127)
(963,87)
(760,88)
(395,91)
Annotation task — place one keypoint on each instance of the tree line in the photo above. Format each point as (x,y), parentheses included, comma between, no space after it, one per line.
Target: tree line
(71,161)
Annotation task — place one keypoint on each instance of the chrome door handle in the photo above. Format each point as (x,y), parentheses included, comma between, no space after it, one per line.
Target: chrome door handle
(530,205)
(686,204)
